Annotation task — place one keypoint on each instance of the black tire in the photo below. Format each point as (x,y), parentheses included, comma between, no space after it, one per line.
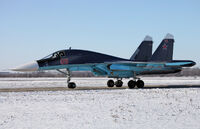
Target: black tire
(118,83)
(131,84)
(71,85)
(110,83)
(140,84)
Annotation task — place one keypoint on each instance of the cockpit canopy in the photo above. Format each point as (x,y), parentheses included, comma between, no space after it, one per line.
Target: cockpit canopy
(58,54)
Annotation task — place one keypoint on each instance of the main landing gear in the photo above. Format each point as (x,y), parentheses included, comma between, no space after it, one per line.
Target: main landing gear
(131,84)
(138,83)
(71,85)
(117,83)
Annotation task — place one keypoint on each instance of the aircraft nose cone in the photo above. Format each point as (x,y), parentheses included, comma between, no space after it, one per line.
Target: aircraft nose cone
(32,66)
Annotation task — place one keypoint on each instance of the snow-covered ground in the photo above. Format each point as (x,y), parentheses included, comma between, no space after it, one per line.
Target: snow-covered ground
(99,109)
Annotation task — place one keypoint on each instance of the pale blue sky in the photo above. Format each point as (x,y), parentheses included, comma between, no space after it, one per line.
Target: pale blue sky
(32,29)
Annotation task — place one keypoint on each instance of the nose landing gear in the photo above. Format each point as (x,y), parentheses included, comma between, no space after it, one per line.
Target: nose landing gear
(71,85)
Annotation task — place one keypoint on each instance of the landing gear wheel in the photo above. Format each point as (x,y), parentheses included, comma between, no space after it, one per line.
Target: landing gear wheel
(71,85)
(140,84)
(118,83)
(131,84)
(110,83)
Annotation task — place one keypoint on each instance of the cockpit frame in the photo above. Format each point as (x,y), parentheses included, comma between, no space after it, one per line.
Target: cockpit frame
(55,55)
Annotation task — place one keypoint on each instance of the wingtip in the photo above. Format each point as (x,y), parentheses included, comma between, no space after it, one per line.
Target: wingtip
(169,36)
(148,38)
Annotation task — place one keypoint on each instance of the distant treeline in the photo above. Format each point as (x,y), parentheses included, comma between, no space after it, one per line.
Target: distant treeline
(184,72)
(44,74)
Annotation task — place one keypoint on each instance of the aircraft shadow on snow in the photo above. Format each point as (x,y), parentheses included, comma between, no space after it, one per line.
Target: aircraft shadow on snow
(87,88)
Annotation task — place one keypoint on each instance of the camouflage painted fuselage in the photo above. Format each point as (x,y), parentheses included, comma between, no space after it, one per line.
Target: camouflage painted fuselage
(106,65)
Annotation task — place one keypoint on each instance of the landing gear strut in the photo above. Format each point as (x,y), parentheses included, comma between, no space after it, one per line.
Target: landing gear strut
(68,75)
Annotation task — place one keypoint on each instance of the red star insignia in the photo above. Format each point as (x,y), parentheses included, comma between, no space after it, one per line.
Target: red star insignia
(164,46)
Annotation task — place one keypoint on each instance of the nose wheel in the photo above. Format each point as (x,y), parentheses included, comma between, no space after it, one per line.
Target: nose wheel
(71,85)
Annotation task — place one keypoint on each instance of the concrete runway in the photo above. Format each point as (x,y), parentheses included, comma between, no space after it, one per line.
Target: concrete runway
(33,89)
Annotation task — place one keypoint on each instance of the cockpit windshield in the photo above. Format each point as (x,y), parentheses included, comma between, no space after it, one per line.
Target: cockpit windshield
(47,57)
(55,55)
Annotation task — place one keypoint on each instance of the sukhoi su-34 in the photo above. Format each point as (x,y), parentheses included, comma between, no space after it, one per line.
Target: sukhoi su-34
(141,62)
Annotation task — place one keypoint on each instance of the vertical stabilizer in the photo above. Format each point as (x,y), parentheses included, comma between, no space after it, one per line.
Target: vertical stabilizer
(164,52)
(144,51)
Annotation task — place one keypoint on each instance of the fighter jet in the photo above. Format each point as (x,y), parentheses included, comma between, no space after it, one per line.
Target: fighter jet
(140,63)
